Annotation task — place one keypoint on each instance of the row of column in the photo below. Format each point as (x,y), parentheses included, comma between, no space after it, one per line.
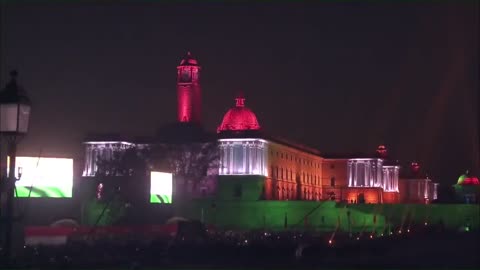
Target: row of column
(372,173)
(364,173)
(243,158)
(98,151)
(390,178)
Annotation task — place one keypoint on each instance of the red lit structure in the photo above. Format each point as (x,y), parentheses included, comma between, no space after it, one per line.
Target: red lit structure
(239,118)
(256,166)
(415,167)
(382,151)
(467,188)
(188,90)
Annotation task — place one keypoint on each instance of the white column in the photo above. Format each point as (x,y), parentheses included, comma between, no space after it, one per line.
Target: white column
(355,164)
(254,158)
(244,157)
(225,159)
(395,183)
(231,163)
(86,169)
(368,173)
(264,162)
(349,168)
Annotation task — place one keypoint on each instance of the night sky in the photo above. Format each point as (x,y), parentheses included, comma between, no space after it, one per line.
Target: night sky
(341,77)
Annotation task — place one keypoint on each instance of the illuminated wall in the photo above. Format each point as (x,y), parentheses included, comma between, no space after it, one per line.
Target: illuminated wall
(43,177)
(161,186)
(390,178)
(421,190)
(243,157)
(294,174)
(334,178)
(291,174)
(95,151)
(370,195)
(365,172)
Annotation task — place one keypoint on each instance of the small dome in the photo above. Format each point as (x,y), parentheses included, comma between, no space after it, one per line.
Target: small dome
(239,118)
(464,179)
(188,60)
(461,179)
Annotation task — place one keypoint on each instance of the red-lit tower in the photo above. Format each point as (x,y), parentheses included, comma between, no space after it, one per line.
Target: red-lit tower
(188,90)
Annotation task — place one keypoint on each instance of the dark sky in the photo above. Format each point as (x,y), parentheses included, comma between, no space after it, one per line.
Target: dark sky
(342,77)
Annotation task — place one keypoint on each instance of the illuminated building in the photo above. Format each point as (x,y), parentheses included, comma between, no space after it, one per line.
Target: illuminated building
(467,189)
(102,150)
(283,170)
(188,90)
(416,187)
(418,190)
(254,165)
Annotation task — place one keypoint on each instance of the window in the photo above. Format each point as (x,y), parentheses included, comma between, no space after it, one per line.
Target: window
(332,181)
(332,166)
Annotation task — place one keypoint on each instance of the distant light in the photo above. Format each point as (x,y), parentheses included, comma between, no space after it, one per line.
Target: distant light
(426,223)
(371,236)
(408,230)
(400,231)
(330,242)
(358,238)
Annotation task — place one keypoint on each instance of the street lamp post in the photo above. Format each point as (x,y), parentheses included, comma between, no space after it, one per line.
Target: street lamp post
(15,109)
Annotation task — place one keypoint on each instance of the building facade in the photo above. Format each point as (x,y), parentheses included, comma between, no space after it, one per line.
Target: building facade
(270,168)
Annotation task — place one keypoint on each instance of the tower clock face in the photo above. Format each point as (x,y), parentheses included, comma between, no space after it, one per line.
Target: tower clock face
(186,76)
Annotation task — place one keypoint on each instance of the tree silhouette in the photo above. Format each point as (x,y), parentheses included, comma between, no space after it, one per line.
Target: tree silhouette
(131,162)
(190,162)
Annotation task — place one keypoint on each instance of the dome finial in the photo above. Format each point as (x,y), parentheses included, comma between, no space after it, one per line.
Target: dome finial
(188,60)
(240,99)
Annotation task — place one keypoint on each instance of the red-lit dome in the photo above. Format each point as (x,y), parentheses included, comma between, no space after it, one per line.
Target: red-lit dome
(239,118)
(382,151)
(464,179)
(188,60)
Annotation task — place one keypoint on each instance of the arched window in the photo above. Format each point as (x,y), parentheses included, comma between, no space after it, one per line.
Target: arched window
(332,181)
